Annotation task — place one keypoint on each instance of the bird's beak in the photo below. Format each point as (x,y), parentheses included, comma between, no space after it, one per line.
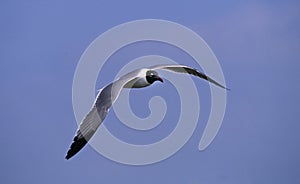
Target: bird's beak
(159,79)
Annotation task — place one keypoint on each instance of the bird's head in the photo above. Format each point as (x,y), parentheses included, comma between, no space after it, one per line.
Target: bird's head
(152,76)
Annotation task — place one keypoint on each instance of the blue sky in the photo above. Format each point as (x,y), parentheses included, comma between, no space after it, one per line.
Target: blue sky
(256,42)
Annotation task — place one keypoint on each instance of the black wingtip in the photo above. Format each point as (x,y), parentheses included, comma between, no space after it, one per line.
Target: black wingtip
(219,85)
(68,156)
(76,146)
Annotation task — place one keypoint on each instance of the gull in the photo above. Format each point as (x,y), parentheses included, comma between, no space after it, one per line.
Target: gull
(139,78)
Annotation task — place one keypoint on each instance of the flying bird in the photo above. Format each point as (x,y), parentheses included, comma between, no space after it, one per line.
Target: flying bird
(139,78)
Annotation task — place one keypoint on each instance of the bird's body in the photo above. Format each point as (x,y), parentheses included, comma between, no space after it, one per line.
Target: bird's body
(106,97)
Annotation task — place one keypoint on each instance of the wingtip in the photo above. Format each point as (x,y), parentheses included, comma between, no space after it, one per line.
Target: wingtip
(67,157)
(72,151)
(77,145)
(228,89)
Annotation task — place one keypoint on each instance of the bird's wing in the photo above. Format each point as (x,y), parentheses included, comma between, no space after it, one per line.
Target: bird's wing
(84,132)
(105,98)
(188,70)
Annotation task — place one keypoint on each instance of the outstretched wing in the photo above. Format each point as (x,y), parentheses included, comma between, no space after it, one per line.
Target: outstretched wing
(85,131)
(105,98)
(188,70)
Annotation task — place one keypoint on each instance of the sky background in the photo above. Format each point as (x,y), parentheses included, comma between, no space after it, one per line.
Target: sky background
(256,42)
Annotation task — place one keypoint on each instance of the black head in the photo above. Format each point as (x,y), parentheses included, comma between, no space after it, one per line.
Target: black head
(152,76)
